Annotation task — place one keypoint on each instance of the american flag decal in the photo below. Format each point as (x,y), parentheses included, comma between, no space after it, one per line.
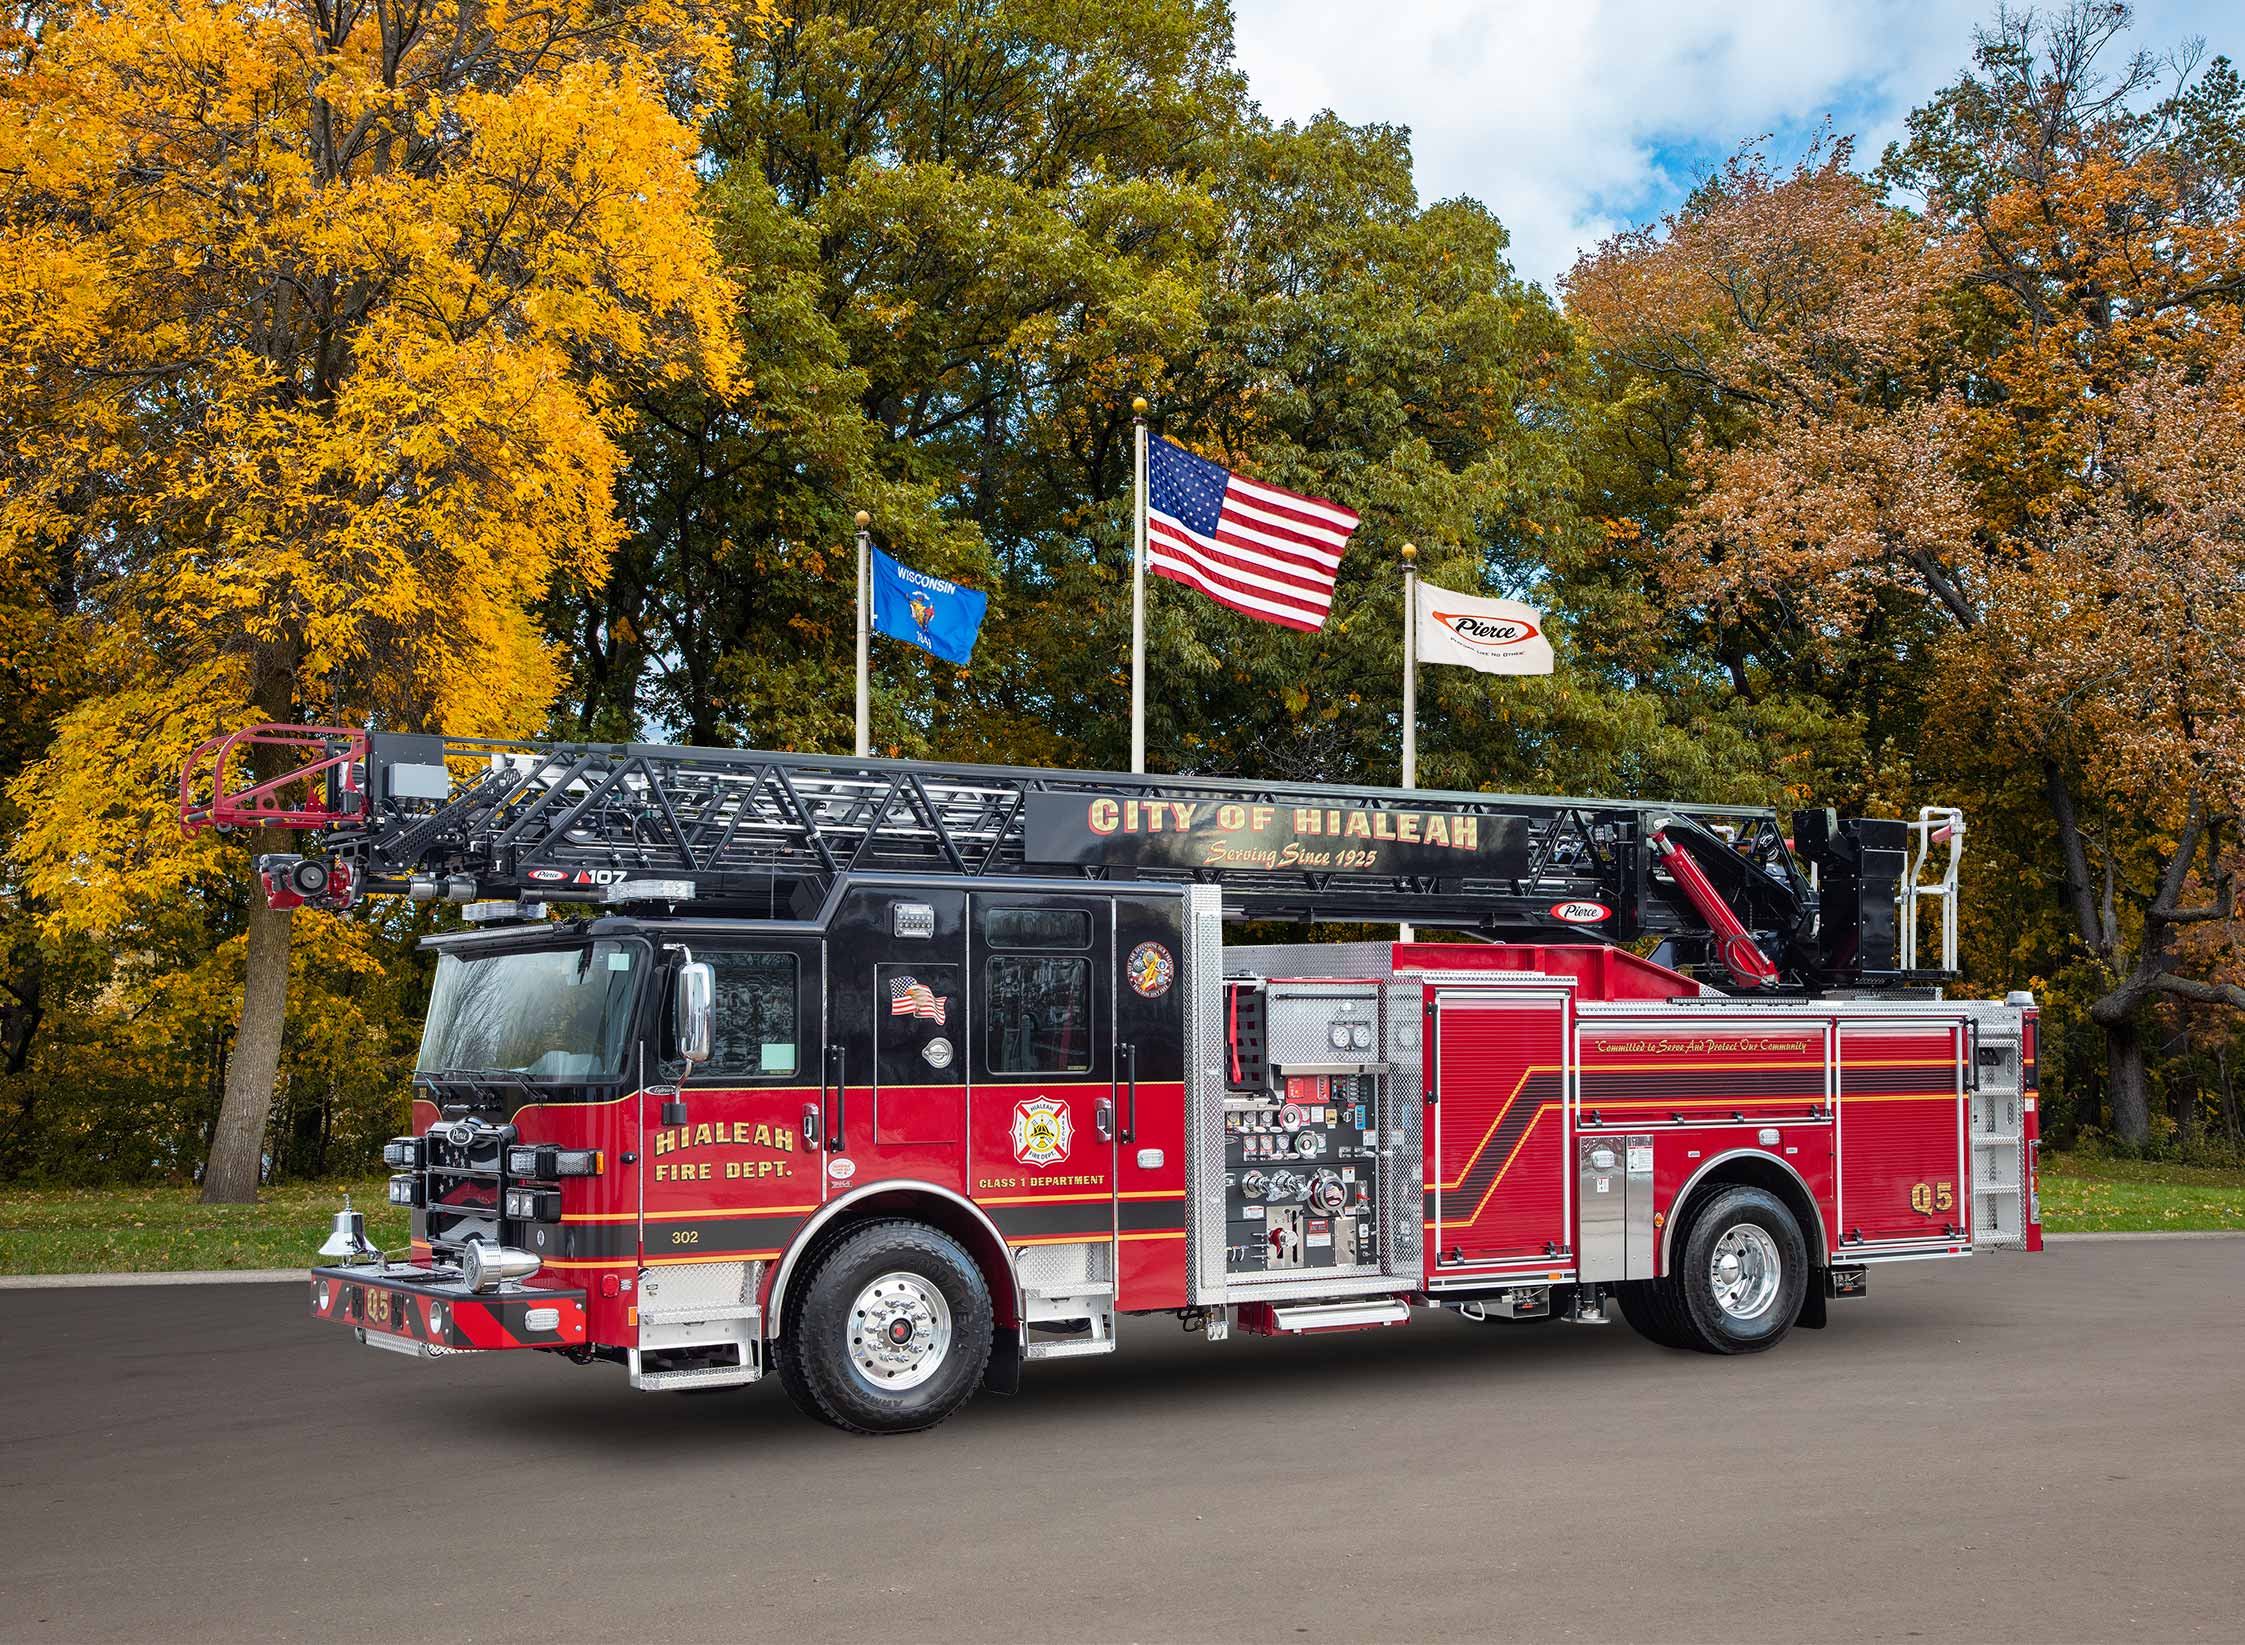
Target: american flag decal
(909,997)
(1268,553)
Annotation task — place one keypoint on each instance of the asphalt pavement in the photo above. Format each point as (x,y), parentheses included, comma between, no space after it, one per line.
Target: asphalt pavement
(2008,1448)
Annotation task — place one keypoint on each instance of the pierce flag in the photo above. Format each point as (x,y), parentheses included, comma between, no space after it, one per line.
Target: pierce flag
(1494,636)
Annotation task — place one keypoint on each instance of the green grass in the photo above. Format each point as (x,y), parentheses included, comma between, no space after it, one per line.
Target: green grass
(143,1230)
(2084,1193)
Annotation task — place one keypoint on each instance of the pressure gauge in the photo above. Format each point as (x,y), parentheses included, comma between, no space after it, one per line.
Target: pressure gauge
(1360,1036)
(1338,1036)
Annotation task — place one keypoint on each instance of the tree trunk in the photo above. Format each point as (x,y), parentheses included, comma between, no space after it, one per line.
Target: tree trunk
(2229,1097)
(237,1146)
(2124,1073)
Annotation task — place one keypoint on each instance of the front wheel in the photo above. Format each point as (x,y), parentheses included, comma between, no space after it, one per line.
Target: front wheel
(892,1333)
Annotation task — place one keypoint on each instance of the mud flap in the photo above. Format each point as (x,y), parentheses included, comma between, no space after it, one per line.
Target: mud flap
(1811,1317)
(1003,1374)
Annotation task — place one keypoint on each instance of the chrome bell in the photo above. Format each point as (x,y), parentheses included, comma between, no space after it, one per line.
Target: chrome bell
(348,1238)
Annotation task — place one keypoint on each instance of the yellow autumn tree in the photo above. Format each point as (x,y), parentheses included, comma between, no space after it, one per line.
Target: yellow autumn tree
(318,323)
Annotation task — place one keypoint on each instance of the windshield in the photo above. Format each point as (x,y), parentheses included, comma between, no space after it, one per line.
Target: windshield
(559,1014)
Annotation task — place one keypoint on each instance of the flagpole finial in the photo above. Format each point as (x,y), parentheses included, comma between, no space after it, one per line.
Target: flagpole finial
(863,519)
(1138,406)
(1410,553)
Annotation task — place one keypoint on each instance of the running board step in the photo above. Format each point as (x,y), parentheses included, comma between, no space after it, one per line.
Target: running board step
(1270,1319)
(1071,1349)
(697,1313)
(726,1376)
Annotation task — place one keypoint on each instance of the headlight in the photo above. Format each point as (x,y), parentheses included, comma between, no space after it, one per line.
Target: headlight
(405,1190)
(534,1204)
(402,1153)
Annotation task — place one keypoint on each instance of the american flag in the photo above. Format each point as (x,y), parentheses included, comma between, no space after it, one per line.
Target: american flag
(911,998)
(1269,553)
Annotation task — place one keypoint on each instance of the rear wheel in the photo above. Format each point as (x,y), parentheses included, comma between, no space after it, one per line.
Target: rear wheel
(1650,1306)
(1741,1273)
(1737,1281)
(892,1333)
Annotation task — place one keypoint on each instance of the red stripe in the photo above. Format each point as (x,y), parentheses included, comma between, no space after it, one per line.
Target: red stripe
(1305,497)
(1311,582)
(1324,575)
(1179,576)
(1328,534)
(1273,539)
(1312,606)
(1254,601)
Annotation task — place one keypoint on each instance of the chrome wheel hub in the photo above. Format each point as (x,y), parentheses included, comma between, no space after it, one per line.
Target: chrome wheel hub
(900,1331)
(1745,1271)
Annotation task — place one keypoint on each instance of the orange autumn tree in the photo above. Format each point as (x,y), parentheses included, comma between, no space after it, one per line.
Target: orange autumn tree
(1991,433)
(318,324)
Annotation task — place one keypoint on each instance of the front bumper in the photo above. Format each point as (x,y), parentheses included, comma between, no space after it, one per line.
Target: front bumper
(413,1309)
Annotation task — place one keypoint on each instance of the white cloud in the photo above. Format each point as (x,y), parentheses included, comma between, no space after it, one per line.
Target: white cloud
(1570,118)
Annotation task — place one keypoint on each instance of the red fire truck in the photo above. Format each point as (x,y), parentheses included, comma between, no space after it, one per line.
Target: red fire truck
(894,1077)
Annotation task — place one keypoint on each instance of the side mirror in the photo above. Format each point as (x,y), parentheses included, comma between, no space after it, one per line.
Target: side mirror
(695,1017)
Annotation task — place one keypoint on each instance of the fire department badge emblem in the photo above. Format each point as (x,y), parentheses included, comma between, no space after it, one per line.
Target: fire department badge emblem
(1041,1131)
(1150,970)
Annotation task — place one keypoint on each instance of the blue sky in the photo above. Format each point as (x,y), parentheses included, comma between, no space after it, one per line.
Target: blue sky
(1572,118)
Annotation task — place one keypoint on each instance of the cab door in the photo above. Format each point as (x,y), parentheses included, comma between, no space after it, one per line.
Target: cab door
(1046,1103)
(730,1167)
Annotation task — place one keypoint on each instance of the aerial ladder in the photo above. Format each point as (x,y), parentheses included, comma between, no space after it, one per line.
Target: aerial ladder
(1726,893)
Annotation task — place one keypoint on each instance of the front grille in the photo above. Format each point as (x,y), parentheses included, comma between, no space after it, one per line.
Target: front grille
(465,1182)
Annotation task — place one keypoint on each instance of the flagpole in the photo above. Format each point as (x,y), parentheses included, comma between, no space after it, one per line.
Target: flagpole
(1410,680)
(1138,590)
(864,633)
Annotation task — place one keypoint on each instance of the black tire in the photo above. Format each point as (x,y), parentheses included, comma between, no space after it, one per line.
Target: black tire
(1688,1299)
(822,1371)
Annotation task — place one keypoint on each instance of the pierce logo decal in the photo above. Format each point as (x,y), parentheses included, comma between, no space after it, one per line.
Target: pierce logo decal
(1581,913)
(1485,633)
(1042,1131)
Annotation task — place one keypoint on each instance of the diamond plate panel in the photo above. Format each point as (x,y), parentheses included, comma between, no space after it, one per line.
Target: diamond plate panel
(1203,983)
(701,1284)
(1052,1269)
(1403,1165)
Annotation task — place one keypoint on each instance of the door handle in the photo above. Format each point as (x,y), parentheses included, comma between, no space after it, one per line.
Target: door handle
(1130,1091)
(1103,1118)
(811,1118)
(837,1140)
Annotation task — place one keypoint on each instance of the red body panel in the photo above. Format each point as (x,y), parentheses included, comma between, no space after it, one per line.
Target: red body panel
(1682,1153)
(1497,1155)
(1903,1176)
(1600,973)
